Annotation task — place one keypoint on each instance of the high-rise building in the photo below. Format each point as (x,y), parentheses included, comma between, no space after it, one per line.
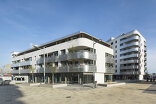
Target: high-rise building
(129,55)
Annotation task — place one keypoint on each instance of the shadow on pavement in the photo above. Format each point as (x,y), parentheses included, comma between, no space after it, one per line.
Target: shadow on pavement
(151,89)
(9,94)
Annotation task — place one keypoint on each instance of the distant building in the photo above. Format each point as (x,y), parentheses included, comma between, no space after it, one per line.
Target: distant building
(79,58)
(130,55)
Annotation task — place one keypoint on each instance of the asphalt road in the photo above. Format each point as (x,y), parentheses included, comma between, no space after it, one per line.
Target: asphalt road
(9,94)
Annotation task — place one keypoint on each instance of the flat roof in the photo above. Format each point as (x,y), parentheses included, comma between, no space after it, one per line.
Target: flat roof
(64,39)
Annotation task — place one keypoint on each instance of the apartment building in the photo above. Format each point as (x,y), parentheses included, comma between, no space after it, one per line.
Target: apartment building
(129,55)
(78,58)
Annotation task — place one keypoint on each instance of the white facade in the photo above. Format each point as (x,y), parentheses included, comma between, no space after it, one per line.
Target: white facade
(78,53)
(129,55)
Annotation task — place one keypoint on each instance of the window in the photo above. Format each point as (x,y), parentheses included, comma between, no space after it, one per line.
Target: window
(115,66)
(121,44)
(115,61)
(112,43)
(116,46)
(115,56)
(115,41)
(30,58)
(63,52)
(56,64)
(115,51)
(55,53)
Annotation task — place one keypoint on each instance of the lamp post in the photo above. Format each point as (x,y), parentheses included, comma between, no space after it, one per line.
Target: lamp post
(93,64)
(43,57)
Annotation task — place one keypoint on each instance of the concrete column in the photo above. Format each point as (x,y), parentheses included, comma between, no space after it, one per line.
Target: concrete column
(48,80)
(60,79)
(80,80)
(35,79)
(65,80)
(111,79)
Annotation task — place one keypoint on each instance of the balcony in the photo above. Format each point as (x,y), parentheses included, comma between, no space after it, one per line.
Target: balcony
(129,56)
(109,60)
(145,68)
(145,49)
(145,64)
(81,55)
(25,63)
(15,65)
(129,67)
(77,68)
(130,50)
(78,55)
(110,70)
(21,71)
(130,39)
(130,44)
(129,73)
(145,54)
(63,57)
(145,59)
(41,70)
(129,61)
(47,59)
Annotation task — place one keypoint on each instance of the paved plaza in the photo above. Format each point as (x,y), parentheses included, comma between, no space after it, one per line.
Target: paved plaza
(131,93)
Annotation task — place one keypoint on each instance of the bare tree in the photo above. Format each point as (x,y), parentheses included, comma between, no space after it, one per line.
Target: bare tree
(32,69)
(51,66)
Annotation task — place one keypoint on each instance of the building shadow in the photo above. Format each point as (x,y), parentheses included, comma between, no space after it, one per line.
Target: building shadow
(151,89)
(10,94)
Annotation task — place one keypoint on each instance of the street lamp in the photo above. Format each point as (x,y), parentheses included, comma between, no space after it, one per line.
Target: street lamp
(35,46)
(93,64)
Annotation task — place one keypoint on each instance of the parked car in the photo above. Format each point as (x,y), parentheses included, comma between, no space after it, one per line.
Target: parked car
(6,82)
(1,81)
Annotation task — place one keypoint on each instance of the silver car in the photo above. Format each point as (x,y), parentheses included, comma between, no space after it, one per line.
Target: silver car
(1,81)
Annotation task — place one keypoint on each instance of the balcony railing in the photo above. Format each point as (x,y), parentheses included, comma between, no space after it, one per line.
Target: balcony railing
(128,61)
(130,39)
(109,60)
(110,70)
(81,55)
(25,63)
(145,64)
(129,50)
(21,71)
(129,56)
(70,68)
(130,44)
(15,65)
(69,56)
(129,67)
(47,59)
(77,68)
(129,73)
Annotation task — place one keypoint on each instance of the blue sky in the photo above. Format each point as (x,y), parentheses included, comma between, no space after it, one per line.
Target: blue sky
(38,21)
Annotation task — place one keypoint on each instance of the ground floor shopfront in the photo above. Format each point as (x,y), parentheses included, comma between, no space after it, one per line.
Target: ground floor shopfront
(68,78)
(126,77)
